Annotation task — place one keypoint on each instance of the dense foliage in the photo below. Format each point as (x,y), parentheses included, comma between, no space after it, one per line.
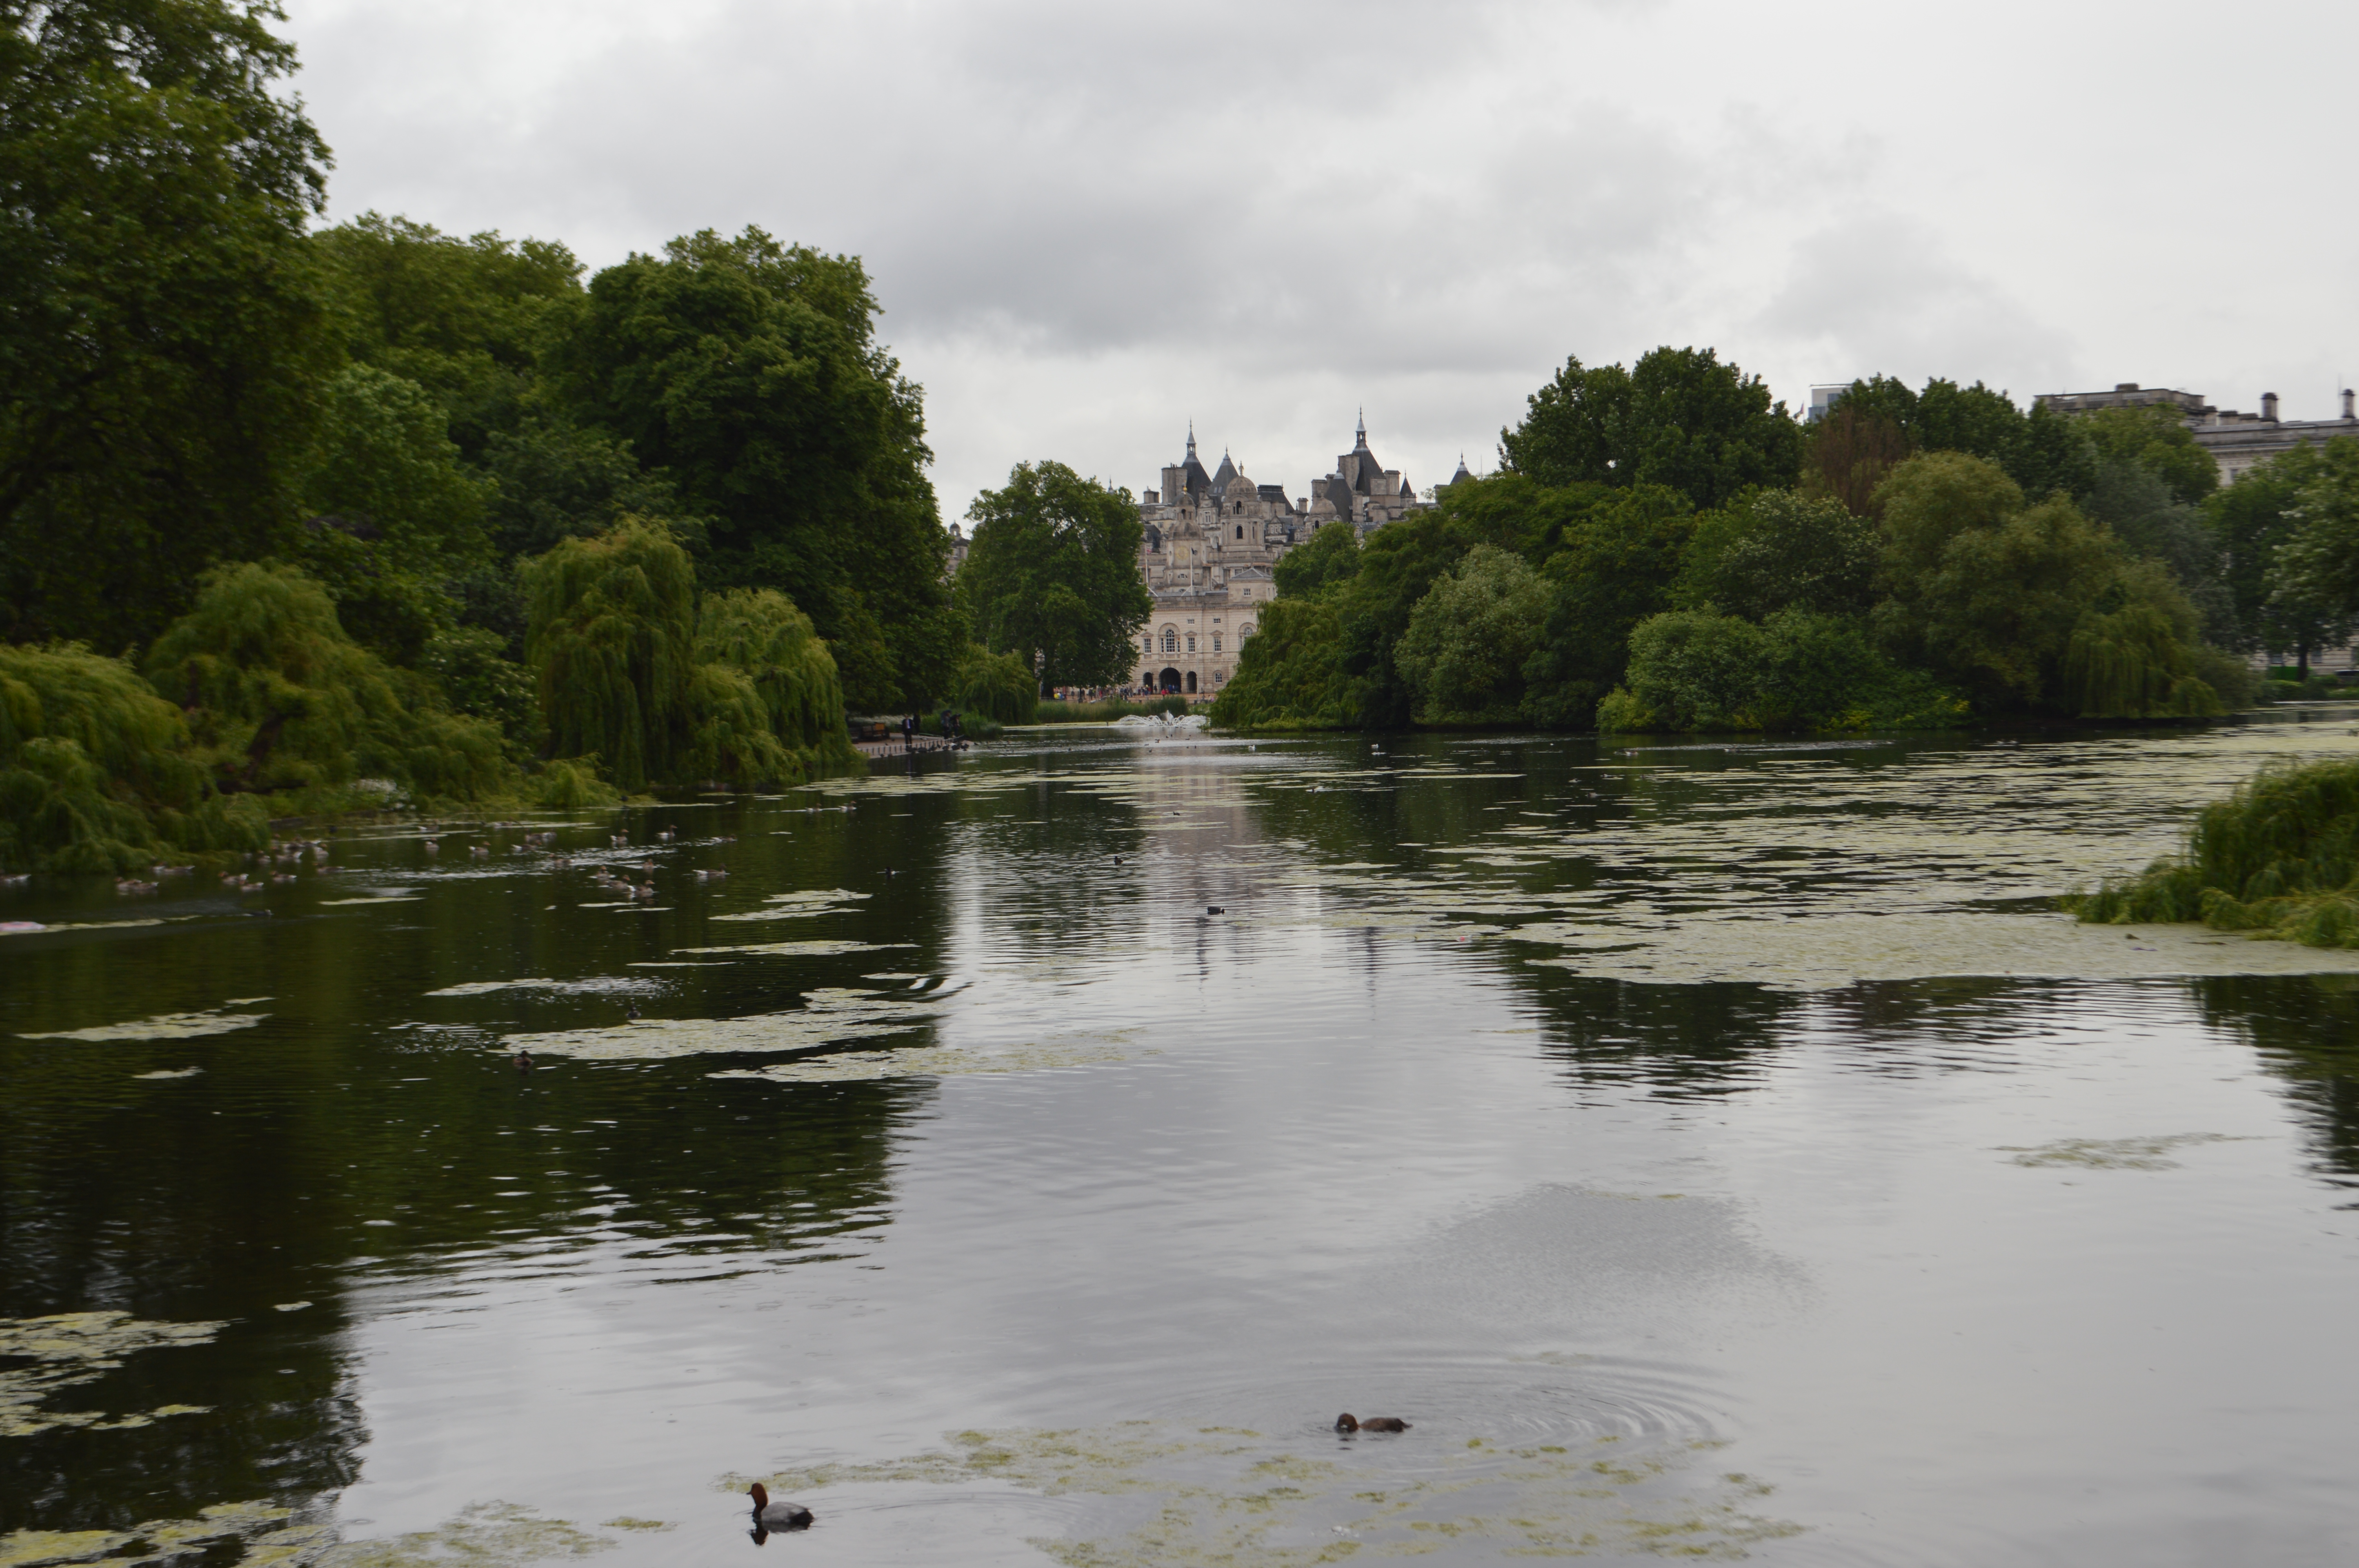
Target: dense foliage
(1052,575)
(1665,549)
(2280,857)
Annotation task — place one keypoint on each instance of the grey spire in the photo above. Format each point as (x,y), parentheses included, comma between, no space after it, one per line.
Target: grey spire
(1192,437)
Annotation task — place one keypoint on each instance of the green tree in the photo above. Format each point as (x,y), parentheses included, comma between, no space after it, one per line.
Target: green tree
(1615,569)
(1773,549)
(2253,520)
(760,634)
(1329,557)
(465,319)
(1987,590)
(1692,670)
(613,642)
(2041,451)
(2155,437)
(1290,672)
(2143,512)
(749,372)
(395,521)
(1052,575)
(1677,417)
(161,310)
(1470,637)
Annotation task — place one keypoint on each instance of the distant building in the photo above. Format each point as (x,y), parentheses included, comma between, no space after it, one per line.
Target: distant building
(1211,539)
(959,543)
(2235,440)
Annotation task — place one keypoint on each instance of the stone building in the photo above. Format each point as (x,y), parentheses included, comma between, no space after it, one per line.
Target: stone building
(1210,540)
(2235,440)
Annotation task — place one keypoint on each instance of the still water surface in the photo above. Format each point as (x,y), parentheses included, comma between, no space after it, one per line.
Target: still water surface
(1713,1149)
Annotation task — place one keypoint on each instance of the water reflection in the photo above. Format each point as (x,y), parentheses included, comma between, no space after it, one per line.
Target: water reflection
(1558,1096)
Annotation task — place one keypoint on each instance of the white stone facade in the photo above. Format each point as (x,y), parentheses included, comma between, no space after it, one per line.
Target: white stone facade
(2236,441)
(1210,540)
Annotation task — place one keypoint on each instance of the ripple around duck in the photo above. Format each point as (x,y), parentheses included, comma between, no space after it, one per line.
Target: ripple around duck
(1448,1400)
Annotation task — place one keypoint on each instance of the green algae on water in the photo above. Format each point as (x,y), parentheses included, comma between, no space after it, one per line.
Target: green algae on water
(68,1348)
(164,1026)
(2114,1154)
(1236,1497)
(829,1016)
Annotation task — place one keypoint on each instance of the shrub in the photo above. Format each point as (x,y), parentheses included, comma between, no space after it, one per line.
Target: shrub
(2280,857)
(611,639)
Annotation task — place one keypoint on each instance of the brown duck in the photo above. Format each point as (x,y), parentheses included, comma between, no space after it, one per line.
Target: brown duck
(780,1515)
(1350,1423)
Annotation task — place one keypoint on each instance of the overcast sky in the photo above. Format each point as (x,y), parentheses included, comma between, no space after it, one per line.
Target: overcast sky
(1092,222)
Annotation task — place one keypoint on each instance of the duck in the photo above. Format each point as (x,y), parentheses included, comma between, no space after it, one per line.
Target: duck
(1347,1422)
(524,1061)
(780,1515)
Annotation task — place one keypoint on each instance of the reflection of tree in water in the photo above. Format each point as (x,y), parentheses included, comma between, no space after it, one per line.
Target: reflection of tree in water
(1679,1041)
(2306,1029)
(334,1137)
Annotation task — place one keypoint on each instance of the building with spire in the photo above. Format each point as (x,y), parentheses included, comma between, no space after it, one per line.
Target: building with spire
(1211,539)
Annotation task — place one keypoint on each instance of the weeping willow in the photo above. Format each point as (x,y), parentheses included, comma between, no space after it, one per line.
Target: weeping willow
(997,685)
(279,700)
(2131,665)
(611,636)
(94,770)
(2280,857)
(759,634)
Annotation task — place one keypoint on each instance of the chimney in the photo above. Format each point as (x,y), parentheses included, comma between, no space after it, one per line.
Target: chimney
(2347,412)
(2269,406)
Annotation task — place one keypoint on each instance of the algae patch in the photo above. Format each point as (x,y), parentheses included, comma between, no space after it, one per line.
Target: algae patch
(945,1061)
(163,1026)
(74,1348)
(829,1016)
(1215,1495)
(488,1535)
(2114,1154)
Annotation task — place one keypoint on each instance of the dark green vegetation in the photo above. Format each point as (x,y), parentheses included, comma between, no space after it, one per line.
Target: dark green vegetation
(323,489)
(1052,576)
(2280,857)
(1664,548)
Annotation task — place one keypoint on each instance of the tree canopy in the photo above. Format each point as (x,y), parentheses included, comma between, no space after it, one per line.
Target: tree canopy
(1053,574)
(160,315)
(1678,418)
(749,372)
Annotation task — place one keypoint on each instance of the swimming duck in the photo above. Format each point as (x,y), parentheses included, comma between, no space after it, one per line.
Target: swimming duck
(524,1061)
(780,1515)
(1350,1423)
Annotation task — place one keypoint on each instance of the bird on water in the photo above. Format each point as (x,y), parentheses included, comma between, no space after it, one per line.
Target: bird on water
(1350,1423)
(780,1515)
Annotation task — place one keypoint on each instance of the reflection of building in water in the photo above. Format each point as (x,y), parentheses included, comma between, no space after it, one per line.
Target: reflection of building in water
(1211,539)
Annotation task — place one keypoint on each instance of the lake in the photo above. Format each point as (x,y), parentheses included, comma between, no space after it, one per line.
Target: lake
(1710,1148)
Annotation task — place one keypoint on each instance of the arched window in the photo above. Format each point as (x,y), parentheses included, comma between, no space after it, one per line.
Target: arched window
(1241,530)
(1244,631)
(1170,640)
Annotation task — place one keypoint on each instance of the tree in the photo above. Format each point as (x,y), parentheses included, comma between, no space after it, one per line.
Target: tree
(465,319)
(160,311)
(1330,557)
(1052,575)
(613,641)
(1678,418)
(1849,454)
(1773,549)
(1470,637)
(2155,437)
(1981,587)
(394,520)
(1615,567)
(2042,451)
(749,372)
(2313,584)
(2141,510)
(2253,520)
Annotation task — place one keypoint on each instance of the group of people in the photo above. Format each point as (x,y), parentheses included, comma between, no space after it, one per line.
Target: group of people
(911,728)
